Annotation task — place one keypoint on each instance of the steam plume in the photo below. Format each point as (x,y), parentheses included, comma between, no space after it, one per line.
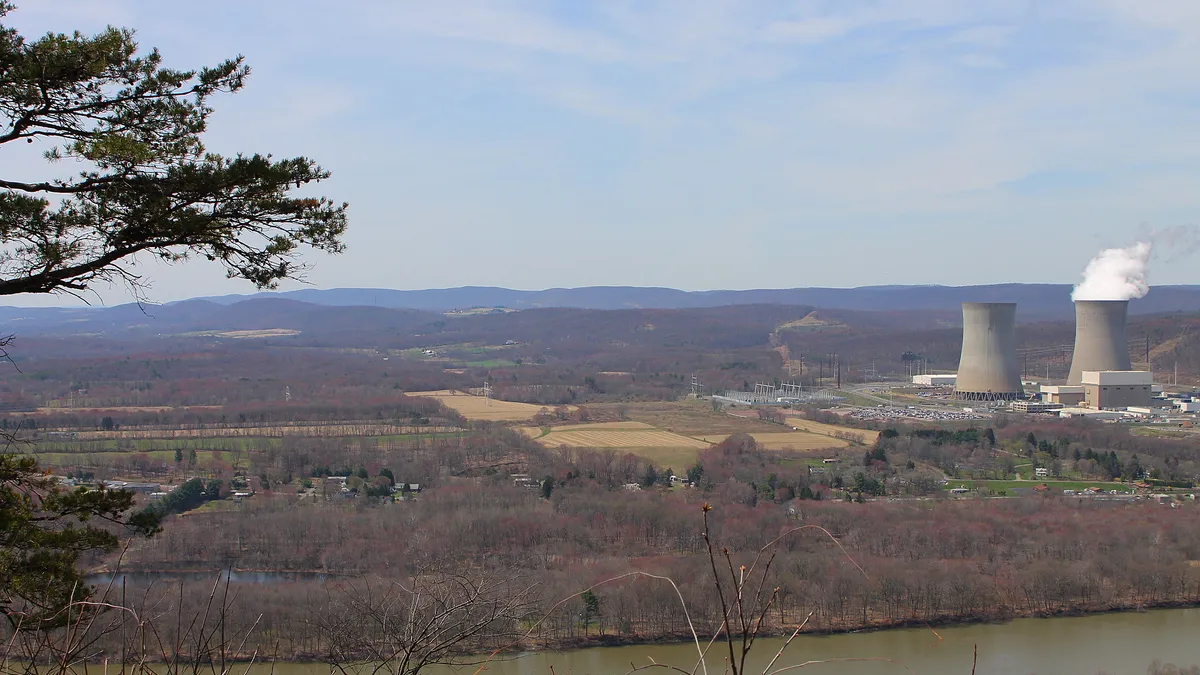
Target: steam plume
(1115,274)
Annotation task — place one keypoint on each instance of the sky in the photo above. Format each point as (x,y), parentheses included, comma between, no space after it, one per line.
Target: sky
(700,144)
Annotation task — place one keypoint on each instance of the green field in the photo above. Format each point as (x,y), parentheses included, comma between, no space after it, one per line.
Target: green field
(107,452)
(246,444)
(155,444)
(490,363)
(1054,485)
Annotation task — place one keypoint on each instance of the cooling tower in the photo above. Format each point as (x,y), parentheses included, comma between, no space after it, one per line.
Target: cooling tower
(1100,342)
(988,369)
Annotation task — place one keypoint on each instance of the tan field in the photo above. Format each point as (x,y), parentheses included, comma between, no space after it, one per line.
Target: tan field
(625,426)
(480,408)
(867,436)
(786,440)
(620,438)
(797,440)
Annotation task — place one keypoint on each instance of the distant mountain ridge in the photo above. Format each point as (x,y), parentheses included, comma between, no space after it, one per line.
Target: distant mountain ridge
(1034,300)
(363,310)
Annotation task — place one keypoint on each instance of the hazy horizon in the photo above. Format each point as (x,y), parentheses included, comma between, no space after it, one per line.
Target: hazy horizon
(743,145)
(50,301)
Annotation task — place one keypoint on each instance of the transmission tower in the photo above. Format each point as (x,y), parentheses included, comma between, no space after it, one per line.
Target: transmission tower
(487,393)
(287,393)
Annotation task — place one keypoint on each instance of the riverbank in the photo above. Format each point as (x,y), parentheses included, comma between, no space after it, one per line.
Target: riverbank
(1117,643)
(620,640)
(289,597)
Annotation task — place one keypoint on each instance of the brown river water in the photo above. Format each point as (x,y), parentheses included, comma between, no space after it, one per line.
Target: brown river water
(1118,643)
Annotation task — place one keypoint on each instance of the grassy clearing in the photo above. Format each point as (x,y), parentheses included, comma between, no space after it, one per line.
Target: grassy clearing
(490,363)
(678,459)
(1054,485)
(831,430)
(52,459)
(797,440)
(159,444)
(480,408)
(1160,432)
(691,418)
(333,430)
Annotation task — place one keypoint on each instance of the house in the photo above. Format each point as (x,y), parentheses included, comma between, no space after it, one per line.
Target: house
(1041,472)
(1041,488)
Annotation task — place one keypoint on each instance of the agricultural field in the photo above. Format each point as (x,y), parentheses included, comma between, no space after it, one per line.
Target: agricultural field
(868,437)
(621,438)
(480,408)
(797,440)
(672,434)
(644,440)
(690,418)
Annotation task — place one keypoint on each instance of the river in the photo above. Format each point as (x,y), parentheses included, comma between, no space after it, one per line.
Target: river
(1118,643)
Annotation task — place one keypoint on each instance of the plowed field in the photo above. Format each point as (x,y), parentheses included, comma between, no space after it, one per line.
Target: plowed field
(480,408)
(620,438)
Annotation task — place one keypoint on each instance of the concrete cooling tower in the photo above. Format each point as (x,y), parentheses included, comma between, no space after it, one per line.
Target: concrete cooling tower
(988,369)
(1100,341)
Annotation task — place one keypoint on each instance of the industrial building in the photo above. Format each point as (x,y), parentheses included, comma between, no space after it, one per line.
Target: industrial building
(938,380)
(1064,394)
(1100,339)
(1088,413)
(988,368)
(1119,389)
(1027,406)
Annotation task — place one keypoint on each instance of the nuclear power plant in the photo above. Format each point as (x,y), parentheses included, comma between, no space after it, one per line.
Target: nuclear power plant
(988,368)
(1100,339)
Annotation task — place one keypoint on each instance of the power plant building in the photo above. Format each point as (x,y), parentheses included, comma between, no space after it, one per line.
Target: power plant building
(1117,390)
(988,368)
(1064,394)
(1100,338)
(935,380)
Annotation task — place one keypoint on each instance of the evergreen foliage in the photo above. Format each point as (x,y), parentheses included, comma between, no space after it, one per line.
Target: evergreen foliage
(44,528)
(147,183)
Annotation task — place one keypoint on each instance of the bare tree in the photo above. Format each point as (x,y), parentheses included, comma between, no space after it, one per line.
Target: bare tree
(155,633)
(438,616)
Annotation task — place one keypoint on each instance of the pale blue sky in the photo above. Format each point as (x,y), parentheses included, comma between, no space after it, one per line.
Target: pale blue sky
(704,144)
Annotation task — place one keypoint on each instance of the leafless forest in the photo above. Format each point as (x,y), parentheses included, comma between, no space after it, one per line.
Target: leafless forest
(565,546)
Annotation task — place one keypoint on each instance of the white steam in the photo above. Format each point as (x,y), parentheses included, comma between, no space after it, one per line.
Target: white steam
(1115,274)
